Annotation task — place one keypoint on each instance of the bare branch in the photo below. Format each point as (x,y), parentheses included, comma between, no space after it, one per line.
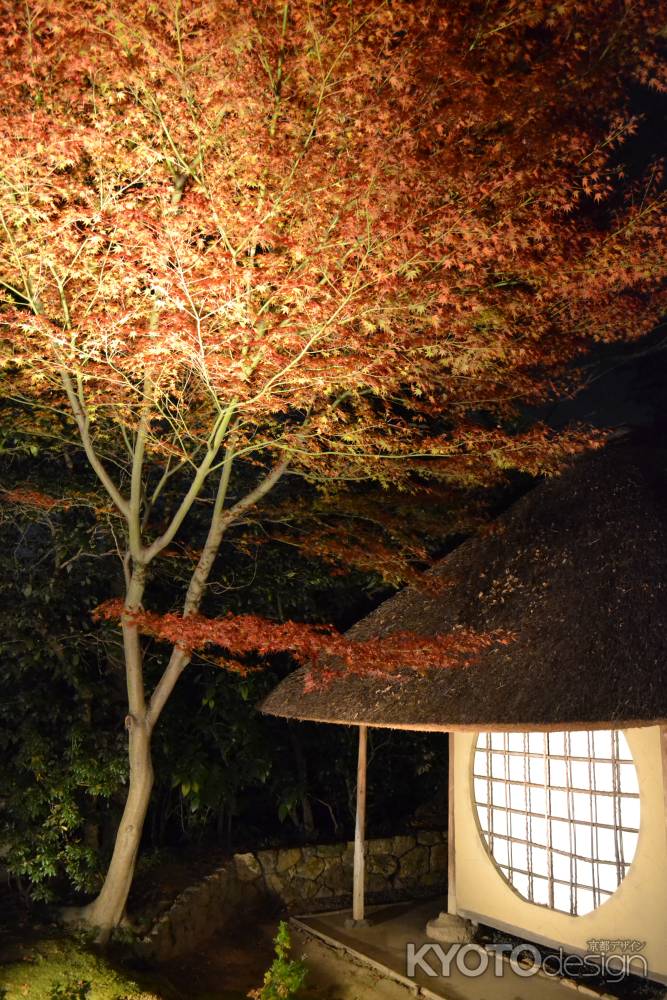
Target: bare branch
(83,423)
(220,521)
(136,489)
(217,437)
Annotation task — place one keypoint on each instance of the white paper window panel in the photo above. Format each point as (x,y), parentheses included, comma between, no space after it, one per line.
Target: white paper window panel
(539,830)
(561,834)
(538,800)
(536,770)
(516,742)
(604,810)
(541,891)
(483,817)
(580,745)
(606,841)
(521,826)
(521,883)
(500,822)
(518,798)
(582,806)
(520,856)
(602,744)
(572,831)
(480,789)
(517,768)
(562,868)
(585,900)
(630,811)
(562,897)
(498,765)
(557,773)
(539,861)
(607,877)
(558,803)
(501,851)
(584,873)
(629,780)
(603,776)
(580,774)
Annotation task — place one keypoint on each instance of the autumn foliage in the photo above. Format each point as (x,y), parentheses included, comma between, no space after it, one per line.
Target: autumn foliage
(320,212)
(318,647)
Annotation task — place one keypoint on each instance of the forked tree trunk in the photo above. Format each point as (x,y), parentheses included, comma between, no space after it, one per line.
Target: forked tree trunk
(106,912)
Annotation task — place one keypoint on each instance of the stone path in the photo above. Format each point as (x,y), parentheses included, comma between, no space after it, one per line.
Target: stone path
(371,962)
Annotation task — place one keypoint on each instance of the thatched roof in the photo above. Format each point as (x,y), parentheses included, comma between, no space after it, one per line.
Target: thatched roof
(577,569)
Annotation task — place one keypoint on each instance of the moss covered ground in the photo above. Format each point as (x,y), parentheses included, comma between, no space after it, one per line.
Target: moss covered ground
(60,968)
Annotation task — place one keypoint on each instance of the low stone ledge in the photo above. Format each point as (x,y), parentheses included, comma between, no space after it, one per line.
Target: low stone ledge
(312,878)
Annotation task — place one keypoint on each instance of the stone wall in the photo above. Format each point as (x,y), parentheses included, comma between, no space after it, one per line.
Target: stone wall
(311,878)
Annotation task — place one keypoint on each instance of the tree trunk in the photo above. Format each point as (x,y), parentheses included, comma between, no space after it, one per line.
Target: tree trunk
(308,822)
(107,911)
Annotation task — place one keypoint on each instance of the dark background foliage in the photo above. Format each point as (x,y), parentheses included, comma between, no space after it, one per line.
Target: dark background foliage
(226,777)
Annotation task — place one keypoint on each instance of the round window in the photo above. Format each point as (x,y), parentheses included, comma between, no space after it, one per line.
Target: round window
(559,813)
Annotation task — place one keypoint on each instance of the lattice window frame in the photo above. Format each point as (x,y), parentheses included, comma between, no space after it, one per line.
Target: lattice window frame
(577,877)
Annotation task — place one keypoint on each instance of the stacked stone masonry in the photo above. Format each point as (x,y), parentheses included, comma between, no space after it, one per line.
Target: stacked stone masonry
(299,879)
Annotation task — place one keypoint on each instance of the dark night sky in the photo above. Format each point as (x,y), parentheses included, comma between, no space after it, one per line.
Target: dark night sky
(627,388)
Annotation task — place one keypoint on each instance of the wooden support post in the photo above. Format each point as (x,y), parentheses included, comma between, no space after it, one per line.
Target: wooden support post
(358,884)
(451,843)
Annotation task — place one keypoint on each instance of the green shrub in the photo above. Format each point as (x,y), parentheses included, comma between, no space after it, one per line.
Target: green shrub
(286,976)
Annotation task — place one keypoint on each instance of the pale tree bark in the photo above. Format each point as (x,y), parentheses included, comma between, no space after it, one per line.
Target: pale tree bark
(107,911)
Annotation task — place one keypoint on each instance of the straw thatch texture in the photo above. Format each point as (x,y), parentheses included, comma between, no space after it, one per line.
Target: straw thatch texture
(577,569)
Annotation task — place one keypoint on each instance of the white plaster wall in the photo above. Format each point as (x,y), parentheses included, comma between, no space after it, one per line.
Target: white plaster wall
(638,909)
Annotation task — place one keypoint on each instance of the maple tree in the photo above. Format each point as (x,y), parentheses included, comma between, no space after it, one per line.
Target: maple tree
(341,242)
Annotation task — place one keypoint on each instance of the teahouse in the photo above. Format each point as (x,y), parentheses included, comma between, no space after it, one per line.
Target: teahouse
(558,745)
